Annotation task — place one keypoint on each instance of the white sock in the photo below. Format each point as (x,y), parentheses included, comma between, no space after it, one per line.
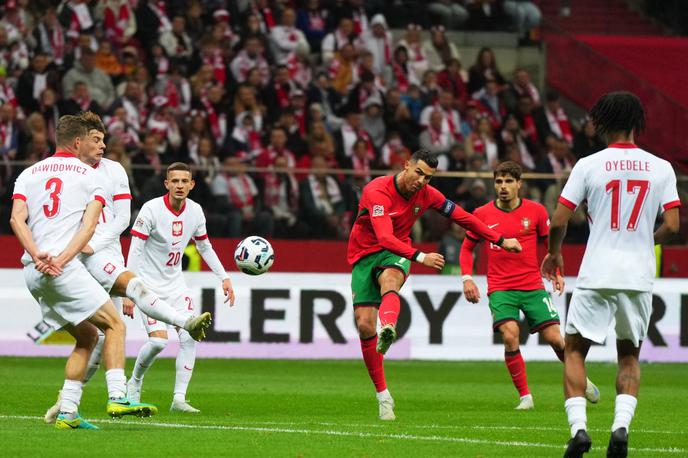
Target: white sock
(71,396)
(150,304)
(185,363)
(94,360)
(146,357)
(116,383)
(624,408)
(384,395)
(575,411)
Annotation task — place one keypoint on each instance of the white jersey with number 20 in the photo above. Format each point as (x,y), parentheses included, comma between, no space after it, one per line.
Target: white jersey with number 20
(166,233)
(626,188)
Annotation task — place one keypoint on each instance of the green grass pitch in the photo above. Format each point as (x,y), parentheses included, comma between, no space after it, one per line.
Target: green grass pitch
(328,408)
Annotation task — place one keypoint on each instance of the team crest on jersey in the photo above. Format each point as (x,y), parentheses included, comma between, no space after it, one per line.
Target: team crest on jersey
(378,210)
(525,223)
(109,268)
(139,222)
(177,228)
(416,210)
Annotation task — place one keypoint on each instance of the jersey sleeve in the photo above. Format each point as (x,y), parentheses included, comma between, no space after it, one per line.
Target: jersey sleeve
(670,194)
(96,190)
(121,184)
(19,188)
(143,224)
(470,234)
(449,209)
(201,233)
(542,221)
(574,191)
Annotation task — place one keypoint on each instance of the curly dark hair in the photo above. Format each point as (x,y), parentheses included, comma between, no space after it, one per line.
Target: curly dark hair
(618,112)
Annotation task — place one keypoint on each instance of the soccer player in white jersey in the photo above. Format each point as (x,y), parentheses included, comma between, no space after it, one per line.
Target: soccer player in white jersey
(162,230)
(102,256)
(625,188)
(56,206)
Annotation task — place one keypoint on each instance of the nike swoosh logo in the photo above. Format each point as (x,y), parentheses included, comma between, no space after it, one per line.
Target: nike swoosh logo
(175,243)
(188,368)
(392,213)
(492,225)
(153,303)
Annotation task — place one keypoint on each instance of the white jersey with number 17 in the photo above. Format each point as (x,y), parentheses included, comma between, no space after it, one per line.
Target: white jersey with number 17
(626,188)
(166,233)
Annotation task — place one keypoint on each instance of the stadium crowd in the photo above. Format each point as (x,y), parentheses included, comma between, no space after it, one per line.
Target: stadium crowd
(311,85)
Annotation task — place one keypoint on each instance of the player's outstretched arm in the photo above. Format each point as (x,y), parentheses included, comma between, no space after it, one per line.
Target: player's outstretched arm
(205,249)
(553,264)
(81,238)
(670,226)
(470,289)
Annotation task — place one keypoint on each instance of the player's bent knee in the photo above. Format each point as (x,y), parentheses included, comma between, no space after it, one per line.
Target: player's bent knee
(158,343)
(123,280)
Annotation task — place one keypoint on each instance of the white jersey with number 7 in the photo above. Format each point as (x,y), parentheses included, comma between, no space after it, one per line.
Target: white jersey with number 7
(626,188)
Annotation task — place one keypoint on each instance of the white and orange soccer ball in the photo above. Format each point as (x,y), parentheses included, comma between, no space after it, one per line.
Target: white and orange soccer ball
(254,255)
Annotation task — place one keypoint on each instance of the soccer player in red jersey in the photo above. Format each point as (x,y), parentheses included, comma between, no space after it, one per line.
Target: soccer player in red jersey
(514,283)
(381,253)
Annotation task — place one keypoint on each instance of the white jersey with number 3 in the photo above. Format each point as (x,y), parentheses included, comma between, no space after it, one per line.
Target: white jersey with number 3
(166,233)
(57,191)
(626,188)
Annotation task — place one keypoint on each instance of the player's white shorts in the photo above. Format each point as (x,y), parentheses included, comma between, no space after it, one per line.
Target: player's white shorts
(183,303)
(591,312)
(70,298)
(105,265)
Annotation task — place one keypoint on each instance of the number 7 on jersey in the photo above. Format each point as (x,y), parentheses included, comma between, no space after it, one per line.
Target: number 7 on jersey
(637,187)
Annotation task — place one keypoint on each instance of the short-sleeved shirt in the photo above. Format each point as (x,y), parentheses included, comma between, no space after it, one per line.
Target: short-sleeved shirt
(57,191)
(514,271)
(626,188)
(166,233)
(112,176)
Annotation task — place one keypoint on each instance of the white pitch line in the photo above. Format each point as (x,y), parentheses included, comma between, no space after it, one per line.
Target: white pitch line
(464,440)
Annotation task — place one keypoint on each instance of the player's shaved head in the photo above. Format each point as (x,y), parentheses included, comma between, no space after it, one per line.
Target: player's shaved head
(69,127)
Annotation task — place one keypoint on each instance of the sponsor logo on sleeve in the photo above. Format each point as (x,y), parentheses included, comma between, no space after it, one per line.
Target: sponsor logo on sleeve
(139,222)
(378,210)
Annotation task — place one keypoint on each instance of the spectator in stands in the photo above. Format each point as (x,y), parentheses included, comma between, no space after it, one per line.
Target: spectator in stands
(322,204)
(519,86)
(343,70)
(485,15)
(452,78)
(80,100)
(413,41)
(398,118)
(286,39)
(296,142)
(251,56)
(378,41)
(116,151)
(313,20)
(402,73)
(206,160)
(76,18)
(278,92)
(245,136)
(276,148)
(586,141)
(120,128)
(351,131)
(524,14)
(485,68)
(490,103)
(98,83)
(33,81)
(451,119)
(362,91)
(320,91)
(107,61)
(455,188)
(354,10)
(241,193)
(176,42)
(551,119)
(439,50)
(147,160)
(451,13)
(393,153)
(429,88)
(513,135)
(336,40)
(373,122)
(281,198)
(49,37)
(319,137)
(477,196)
(436,137)
(482,142)
(119,22)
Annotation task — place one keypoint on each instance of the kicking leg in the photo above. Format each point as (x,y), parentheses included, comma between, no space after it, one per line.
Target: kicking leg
(390,281)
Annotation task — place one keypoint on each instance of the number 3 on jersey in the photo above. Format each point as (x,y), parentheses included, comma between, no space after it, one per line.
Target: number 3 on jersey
(54,185)
(614,187)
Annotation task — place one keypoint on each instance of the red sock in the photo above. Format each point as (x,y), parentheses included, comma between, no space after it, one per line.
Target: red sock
(517,369)
(389,308)
(373,362)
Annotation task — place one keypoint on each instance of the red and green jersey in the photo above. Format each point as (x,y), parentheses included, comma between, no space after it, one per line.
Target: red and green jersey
(385,218)
(510,271)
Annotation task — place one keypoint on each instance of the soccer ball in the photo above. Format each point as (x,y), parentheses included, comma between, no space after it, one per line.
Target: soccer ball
(254,255)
